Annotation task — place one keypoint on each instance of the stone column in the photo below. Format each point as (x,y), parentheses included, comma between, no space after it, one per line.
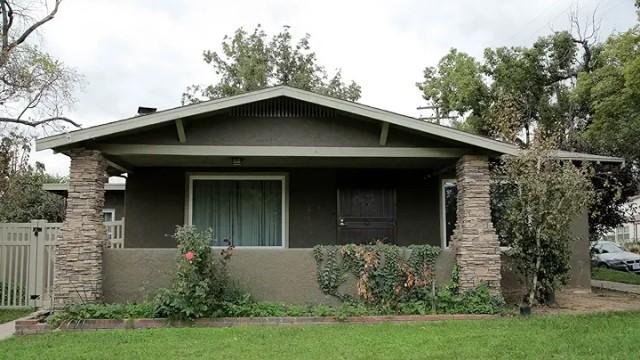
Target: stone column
(474,240)
(79,248)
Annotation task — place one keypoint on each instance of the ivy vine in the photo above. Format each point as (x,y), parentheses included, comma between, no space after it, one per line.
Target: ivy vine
(385,274)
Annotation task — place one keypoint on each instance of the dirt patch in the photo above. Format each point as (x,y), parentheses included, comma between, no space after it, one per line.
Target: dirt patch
(598,300)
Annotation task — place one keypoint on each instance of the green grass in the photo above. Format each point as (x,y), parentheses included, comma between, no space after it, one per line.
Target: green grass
(614,275)
(604,336)
(7,315)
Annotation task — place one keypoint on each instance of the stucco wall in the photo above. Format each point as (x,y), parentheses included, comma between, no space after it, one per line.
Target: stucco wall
(155,204)
(280,275)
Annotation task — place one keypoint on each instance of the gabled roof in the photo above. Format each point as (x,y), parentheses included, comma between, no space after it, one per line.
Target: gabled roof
(137,122)
(270,93)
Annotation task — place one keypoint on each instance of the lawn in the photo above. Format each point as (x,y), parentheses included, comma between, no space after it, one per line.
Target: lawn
(614,275)
(604,336)
(7,315)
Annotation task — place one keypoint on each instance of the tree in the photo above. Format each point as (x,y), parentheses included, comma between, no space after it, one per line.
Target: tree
(513,91)
(612,91)
(565,87)
(21,196)
(544,197)
(252,61)
(35,88)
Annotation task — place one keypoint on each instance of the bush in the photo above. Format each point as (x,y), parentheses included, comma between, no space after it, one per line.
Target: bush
(201,285)
(386,275)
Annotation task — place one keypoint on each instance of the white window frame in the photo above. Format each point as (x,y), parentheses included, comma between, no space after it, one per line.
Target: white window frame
(282,177)
(443,211)
(109,211)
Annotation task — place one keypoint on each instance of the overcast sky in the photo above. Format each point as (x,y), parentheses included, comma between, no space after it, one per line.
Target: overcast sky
(145,52)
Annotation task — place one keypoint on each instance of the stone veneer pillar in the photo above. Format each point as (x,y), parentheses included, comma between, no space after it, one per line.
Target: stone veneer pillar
(79,248)
(475,241)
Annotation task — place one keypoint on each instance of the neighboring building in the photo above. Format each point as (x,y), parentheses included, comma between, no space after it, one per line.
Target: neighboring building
(630,231)
(276,172)
(113,198)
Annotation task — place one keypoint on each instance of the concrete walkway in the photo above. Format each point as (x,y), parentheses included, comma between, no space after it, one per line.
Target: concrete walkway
(7,329)
(616,286)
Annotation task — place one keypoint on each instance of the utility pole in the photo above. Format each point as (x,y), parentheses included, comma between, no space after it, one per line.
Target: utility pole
(437,116)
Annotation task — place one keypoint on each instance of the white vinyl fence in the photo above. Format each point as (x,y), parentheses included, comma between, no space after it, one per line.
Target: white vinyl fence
(27,257)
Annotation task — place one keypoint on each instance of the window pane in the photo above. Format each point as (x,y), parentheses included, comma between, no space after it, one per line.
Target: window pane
(107,216)
(213,208)
(246,212)
(450,203)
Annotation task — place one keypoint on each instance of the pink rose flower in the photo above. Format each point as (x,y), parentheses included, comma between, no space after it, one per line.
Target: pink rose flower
(189,256)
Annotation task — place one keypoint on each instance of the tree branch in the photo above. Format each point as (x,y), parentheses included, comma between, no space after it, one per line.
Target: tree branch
(34,26)
(40,122)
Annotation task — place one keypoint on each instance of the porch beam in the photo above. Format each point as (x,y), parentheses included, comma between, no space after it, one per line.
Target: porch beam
(182,136)
(384,133)
(125,168)
(281,151)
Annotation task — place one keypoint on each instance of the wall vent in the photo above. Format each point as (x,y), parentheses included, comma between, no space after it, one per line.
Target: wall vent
(282,108)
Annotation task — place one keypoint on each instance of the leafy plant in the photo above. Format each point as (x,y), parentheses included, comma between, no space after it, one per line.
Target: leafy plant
(202,282)
(546,195)
(79,312)
(385,274)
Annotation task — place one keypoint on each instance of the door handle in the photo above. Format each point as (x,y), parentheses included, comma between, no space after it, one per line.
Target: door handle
(341,222)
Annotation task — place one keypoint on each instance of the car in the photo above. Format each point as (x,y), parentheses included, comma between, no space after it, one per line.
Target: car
(608,254)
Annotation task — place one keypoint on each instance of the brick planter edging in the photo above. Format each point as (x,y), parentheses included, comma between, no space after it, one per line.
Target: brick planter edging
(34,326)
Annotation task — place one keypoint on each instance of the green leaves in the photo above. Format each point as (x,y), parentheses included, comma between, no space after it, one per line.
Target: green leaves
(21,196)
(385,274)
(202,283)
(253,61)
(540,196)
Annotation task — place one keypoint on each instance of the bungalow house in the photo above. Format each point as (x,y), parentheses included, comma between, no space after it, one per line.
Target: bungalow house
(275,172)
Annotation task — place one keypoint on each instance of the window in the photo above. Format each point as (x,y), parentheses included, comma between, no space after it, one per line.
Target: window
(448,198)
(244,210)
(108,215)
(623,234)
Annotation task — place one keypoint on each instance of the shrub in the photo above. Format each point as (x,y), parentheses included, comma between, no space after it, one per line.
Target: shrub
(201,285)
(385,274)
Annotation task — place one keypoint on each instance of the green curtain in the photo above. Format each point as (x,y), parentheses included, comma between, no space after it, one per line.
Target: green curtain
(247,212)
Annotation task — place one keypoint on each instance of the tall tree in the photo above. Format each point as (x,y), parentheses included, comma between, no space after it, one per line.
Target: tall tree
(566,87)
(252,61)
(35,88)
(511,92)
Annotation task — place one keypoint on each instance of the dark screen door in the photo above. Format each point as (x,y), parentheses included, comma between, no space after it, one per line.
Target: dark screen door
(366,215)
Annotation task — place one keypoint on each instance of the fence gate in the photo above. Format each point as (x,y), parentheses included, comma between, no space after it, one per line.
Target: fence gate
(27,257)
(26,263)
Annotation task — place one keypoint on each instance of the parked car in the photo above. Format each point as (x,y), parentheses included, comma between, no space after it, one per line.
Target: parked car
(611,255)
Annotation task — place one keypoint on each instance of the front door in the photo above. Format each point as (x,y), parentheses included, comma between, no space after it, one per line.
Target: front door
(366,215)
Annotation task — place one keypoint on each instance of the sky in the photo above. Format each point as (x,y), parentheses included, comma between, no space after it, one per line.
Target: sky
(146,52)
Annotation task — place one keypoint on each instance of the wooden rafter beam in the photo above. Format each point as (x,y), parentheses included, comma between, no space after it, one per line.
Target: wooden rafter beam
(384,133)
(119,165)
(182,136)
